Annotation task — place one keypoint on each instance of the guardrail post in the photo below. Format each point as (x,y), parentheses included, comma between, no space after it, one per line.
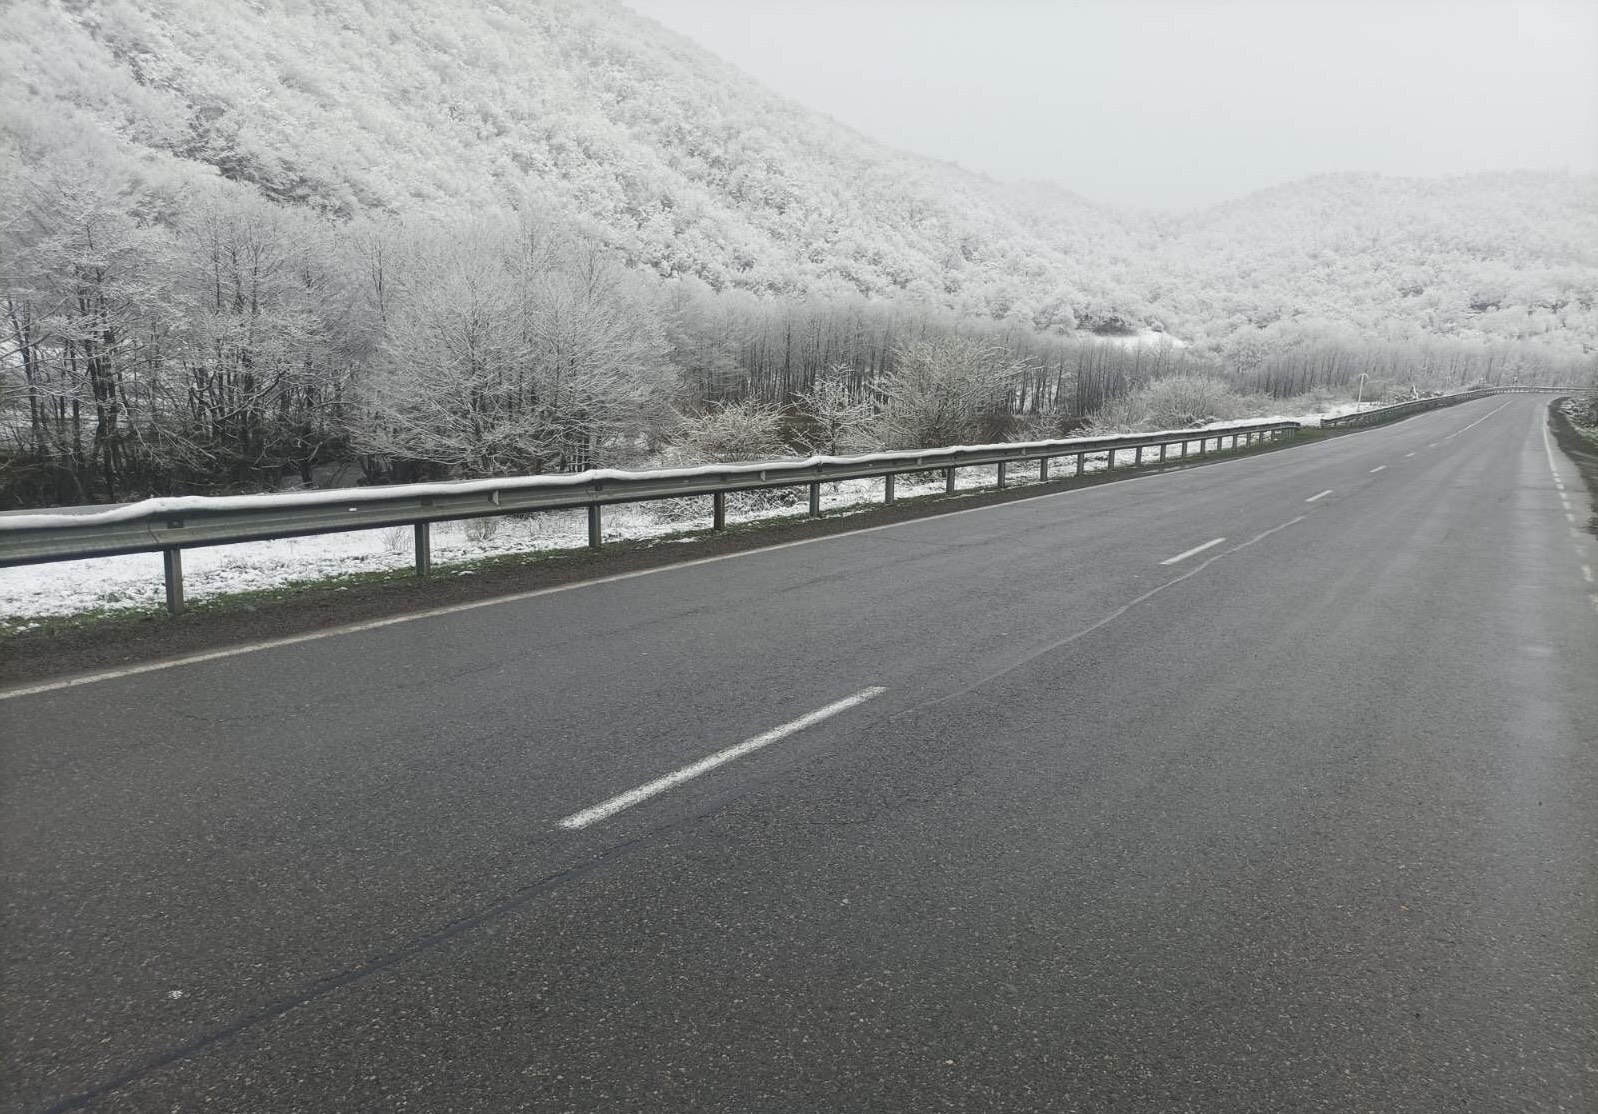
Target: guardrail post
(948,481)
(1109,461)
(172,569)
(1081,462)
(815,500)
(595,526)
(424,547)
(718,510)
(1004,473)
(1163,447)
(1043,470)
(1204,446)
(887,488)
(1137,461)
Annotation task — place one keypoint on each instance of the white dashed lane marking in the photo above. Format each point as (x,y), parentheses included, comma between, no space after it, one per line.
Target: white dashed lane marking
(1185,554)
(604,809)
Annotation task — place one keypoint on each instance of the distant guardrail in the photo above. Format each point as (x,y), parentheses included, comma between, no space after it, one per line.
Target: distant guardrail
(1415,406)
(1404,409)
(169,526)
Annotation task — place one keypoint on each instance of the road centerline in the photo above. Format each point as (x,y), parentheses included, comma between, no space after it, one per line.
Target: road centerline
(1378,468)
(1479,420)
(1321,495)
(1184,555)
(605,809)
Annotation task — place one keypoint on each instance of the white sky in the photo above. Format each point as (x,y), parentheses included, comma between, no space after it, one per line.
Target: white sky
(1172,104)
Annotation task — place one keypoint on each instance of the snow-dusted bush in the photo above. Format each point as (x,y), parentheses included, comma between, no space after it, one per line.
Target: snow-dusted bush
(835,421)
(1585,405)
(482,529)
(1178,401)
(747,430)
(941,389)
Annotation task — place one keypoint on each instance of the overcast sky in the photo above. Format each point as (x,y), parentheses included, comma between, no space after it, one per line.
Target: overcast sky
(1179,104)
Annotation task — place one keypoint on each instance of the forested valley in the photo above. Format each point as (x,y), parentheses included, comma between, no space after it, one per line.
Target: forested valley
(562,266)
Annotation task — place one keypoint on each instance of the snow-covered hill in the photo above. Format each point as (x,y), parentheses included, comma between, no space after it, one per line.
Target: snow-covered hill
(687,166)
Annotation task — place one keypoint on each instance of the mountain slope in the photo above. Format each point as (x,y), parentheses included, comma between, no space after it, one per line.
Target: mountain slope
(586,110)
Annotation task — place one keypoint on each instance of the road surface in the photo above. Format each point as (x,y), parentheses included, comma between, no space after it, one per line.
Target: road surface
(1065,804)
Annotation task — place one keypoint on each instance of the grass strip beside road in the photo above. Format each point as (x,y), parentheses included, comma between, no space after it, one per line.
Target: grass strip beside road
(1580,444)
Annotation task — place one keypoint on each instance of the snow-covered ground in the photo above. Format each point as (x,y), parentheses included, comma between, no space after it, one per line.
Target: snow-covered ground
(130,582)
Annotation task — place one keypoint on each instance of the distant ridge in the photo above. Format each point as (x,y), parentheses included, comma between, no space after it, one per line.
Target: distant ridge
(689,167)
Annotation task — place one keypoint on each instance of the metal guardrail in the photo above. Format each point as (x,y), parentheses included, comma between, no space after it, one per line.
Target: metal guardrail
(1403,409)
(169,526)
(1416,406)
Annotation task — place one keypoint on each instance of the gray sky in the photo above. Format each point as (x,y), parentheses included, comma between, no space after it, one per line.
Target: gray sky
(1178,104)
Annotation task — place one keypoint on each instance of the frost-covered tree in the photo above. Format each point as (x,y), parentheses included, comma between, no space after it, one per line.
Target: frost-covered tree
(511,351)
(85,272)
(837,419)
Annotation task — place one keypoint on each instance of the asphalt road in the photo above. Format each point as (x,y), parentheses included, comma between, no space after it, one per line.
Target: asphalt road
(1307,820)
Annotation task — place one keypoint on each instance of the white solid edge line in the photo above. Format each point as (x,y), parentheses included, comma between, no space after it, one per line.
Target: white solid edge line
(1322,495)
(1378,468)
(1191,552)
(587,816)
(1548,448)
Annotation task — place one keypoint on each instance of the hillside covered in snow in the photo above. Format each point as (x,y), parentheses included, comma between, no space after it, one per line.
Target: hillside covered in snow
(687,167)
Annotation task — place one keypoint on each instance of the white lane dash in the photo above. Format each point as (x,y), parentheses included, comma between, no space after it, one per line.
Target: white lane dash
(1586,572)
(587,816)
(1378,468)
(1322,495)
(1478,421)
(1196,549)
(1433,445)
(1408,455)
(1050,647)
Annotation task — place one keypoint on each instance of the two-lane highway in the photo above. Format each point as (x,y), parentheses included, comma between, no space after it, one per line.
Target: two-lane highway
(1259,786)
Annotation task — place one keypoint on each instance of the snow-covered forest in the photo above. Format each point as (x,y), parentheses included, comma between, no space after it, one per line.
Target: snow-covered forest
(240,242)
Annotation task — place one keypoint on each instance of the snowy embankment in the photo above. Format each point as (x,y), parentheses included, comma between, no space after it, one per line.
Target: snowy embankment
(133,582)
